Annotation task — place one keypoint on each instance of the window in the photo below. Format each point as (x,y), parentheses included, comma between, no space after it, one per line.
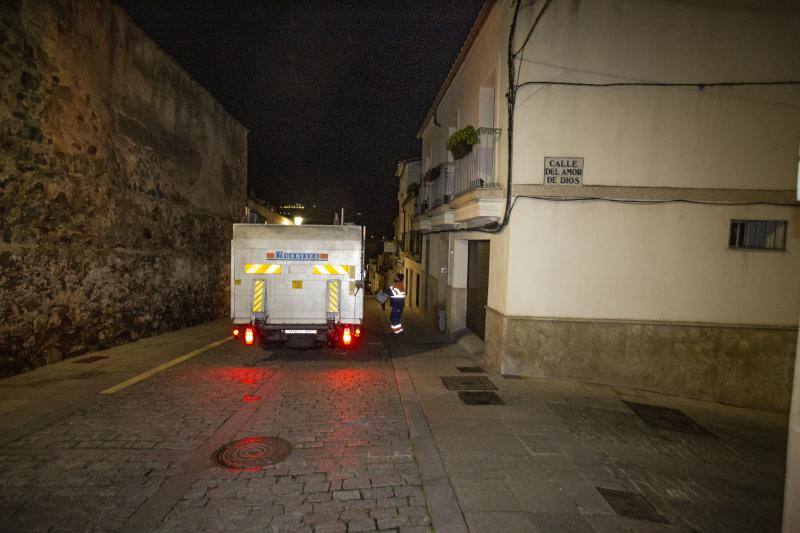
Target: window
(758,234)
(416,293)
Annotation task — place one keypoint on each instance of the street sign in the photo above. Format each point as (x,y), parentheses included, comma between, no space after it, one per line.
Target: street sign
(563,171)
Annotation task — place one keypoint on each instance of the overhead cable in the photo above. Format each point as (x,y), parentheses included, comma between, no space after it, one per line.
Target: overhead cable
(698,84)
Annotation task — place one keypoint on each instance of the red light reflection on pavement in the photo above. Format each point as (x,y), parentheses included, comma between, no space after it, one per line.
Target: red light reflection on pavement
(351,376)
(351,419)
(249,398)
(246,375)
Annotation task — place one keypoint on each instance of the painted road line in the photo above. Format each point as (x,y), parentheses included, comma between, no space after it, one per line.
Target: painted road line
(169,364)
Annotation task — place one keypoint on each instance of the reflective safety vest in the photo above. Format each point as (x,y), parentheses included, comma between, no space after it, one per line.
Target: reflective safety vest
(398,291)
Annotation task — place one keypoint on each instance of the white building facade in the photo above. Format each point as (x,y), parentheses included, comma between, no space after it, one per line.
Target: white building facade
(409,240)
(653,241)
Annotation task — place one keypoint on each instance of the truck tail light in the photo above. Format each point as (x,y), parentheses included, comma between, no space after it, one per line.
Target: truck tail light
(249,336)
(358,332)
(236,333)
(346,336)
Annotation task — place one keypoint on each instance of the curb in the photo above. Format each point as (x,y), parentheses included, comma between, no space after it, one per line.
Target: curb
(445,512)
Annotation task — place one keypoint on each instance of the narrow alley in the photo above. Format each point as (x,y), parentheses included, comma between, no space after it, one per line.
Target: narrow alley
(376,441)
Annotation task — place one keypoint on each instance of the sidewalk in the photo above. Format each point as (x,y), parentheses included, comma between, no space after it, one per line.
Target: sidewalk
(540,462)
(36,398)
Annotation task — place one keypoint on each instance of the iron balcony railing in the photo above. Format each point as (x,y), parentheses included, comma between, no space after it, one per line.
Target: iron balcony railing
(442,187)
(436,191)
(423,202)
(412,243)
(477,169)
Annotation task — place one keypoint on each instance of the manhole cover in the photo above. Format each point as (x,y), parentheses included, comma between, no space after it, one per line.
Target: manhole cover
(470,370)
(480,398)
(666,418)
(91,359)
(631,505)
(252,452)
(468,383)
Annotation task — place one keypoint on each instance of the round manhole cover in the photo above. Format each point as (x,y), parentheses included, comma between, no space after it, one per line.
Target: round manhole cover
(252,452)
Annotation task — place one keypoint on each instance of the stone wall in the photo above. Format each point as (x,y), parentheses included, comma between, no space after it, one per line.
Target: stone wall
(119,178)
(737,365)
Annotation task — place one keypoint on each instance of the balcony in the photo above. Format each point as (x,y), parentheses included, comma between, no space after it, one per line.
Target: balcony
(478,197)
(412,245)
(465,192)
(441,189)
(476,170)
(435,193)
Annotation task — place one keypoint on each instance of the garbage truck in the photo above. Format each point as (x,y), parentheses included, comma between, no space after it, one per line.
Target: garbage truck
(297,285)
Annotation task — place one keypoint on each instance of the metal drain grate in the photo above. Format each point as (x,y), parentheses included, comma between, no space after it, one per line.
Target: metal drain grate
(470,370)
(666,418)
(480,398)
(631,505)
(467,383)
(512,376)
(91,359)
(252,453)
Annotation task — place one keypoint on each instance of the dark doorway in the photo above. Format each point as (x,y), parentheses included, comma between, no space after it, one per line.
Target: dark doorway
(477,286)
(416,293)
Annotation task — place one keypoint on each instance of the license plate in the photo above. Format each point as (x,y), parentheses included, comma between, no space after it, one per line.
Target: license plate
(301,331)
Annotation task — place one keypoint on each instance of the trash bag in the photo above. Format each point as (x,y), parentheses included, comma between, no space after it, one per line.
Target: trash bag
(381,297)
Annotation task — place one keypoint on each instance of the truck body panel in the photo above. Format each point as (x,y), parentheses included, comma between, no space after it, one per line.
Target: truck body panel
(288,279)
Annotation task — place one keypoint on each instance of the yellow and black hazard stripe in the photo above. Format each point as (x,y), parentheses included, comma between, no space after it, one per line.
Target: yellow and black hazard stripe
(333,270)
(261,268)
(333,296)
(258,296)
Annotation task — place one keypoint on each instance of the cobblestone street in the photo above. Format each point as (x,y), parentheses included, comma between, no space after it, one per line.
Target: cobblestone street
(131,459)
(378,443)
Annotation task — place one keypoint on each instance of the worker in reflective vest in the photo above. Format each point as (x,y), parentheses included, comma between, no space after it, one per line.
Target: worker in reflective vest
(397,297)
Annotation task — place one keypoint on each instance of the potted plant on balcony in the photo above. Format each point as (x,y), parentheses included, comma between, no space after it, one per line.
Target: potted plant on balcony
(432,174)
(461,142)
(412,189)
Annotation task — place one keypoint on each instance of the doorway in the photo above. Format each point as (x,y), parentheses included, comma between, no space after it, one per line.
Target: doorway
(477,286)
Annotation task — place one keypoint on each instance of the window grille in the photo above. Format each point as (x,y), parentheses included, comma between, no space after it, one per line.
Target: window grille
(758,234)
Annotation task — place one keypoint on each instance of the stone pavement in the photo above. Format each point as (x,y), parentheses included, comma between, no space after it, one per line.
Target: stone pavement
(378,444)
(539,462)
(140,459)
(51,392)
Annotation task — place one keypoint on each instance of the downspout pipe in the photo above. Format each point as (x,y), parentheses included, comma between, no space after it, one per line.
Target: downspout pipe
(791,493)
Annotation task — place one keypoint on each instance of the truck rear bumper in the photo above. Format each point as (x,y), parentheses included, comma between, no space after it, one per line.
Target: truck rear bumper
(301,334)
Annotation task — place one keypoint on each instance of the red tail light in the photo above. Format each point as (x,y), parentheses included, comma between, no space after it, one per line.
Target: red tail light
(358,332)
(249,336)
(346,336)
(236,332)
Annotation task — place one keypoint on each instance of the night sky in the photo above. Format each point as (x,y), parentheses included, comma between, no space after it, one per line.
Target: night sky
(332,92)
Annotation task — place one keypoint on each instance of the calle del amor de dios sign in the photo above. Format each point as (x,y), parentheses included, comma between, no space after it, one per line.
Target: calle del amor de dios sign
(563,171)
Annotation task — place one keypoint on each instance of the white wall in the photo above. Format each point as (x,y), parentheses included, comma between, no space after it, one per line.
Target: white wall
(732,137)
(666,262)
(461,105)
(647,262)
(498,264)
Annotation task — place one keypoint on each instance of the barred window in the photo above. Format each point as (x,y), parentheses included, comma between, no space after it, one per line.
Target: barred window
(758,234)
